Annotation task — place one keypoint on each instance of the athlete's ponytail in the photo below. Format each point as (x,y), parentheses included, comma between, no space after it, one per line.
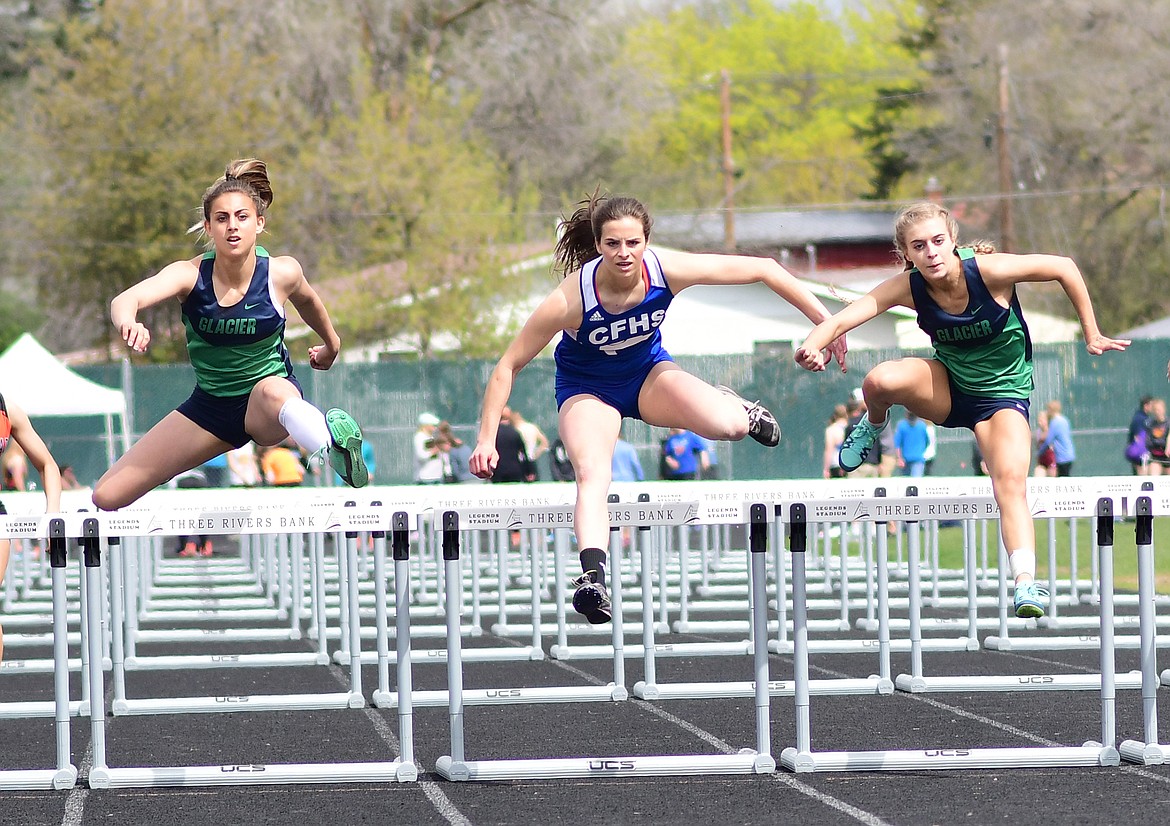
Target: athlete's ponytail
(580,233)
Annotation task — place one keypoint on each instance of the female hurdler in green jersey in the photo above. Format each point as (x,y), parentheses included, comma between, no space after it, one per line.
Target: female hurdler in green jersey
(232,301)
(981,374)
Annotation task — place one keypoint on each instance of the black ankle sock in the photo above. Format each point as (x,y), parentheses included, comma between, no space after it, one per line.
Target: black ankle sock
(593,559)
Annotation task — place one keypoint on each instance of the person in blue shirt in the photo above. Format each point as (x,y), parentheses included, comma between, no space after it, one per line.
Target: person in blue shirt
(911,439)
(1059,438)
(625,466)
(684,454)
(611,363)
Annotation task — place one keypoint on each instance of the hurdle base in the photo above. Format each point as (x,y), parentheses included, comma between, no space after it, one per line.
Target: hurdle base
(950,758)
(745,762)
(747,688)
(1023,682)
(38,779)
(35,708)
(1146,754)
(1166,677)
(511,696)
(252,774)
(222,705)
(866,646)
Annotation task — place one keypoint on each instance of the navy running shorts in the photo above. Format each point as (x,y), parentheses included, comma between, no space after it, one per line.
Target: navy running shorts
(967,410)
(620,395)
(223,416)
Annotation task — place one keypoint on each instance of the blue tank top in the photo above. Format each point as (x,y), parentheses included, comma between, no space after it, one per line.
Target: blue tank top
(986,349)
(232,348)
(617,345)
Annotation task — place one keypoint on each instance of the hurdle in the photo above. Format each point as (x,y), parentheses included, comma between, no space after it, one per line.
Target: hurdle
(1063,503)
(455,766)
(64,775)
(1147,751)
(262,518)
(802,758)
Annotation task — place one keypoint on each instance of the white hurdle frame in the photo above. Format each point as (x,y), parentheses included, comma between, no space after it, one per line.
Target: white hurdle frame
(64,775)
(264,517)
(802,758)
(1149,750)
(455,766)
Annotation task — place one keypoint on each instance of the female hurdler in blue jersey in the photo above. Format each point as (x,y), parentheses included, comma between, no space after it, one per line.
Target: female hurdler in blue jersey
(232,301)
(981,374)
(611,363)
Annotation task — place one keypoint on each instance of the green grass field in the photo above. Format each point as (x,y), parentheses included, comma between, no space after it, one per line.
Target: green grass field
(950,543)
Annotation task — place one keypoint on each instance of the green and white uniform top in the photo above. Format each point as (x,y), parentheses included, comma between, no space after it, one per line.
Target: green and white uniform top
(233,348)
(987,348)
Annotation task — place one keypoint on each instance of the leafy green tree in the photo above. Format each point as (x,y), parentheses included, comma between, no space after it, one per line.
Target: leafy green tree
(801,81)
(408,206)
(128,135)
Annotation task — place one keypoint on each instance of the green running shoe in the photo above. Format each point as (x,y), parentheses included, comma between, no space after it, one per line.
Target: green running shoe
(345,448)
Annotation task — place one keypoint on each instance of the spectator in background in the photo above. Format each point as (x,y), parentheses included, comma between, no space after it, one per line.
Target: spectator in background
(625,466)
(69,478)
(711,469)
(216,470)
(834,436)
(1157,433)
(1045,455)
(514,464)
(535,442)
(189,545)
(1135,450)
(282,466)
(1060,439)
(428,467)
(562,468)
(910,441)
(458,456)
(931,446)
(243,467)
(978,466)
(683,454)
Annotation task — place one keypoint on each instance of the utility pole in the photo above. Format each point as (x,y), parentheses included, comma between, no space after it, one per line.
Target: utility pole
(728,164)
(1006,229)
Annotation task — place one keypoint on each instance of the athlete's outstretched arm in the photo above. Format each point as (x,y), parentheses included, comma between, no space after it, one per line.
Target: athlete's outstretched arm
(553,315)
(684,269)
(175,280)
(312,309)
(1001,269)
(891,292)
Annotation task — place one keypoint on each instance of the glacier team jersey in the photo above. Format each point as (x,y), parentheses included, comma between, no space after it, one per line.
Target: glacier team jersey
(232,348)
(986,349)
(616,346)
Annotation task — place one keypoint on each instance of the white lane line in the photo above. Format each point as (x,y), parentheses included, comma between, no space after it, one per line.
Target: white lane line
(443,805)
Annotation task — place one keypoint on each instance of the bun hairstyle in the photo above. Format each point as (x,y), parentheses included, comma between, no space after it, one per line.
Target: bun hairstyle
(246,175)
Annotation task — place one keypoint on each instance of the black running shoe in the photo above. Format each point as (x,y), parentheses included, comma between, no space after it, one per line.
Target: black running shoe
(762,425)
(591,599)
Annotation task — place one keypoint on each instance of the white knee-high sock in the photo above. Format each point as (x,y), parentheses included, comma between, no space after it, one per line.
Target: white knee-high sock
(1022,561)
(305,423)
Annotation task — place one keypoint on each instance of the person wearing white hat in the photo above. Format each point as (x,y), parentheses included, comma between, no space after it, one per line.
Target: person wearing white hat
(428,464)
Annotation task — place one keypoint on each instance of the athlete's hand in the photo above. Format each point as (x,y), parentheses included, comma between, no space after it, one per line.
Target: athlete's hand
(483,461)
(837,350)
(1100,343)
(136,336)
(813,360)
(321,357)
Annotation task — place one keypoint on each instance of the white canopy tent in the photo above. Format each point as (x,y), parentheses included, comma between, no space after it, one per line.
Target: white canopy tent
(33,377)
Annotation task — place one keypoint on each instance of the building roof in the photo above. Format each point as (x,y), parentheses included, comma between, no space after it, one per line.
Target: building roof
(776,228)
